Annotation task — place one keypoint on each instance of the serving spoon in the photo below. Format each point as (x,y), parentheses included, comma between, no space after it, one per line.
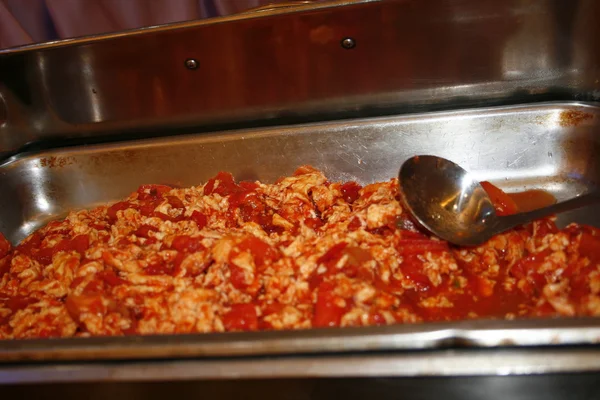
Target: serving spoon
(450,202)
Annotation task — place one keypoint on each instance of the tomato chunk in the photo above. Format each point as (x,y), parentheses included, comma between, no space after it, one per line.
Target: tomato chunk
(166,217)
(111,279)
(16,303)
(200,219)
(4,266)
(333,254)
(112,210)
(147,209)
(350,191)
(80,244)
(144,231)
(589,246)
(186,243)
(354,224)
(152,192)
(412,268)
(222,184)
(327,310)
(175,202)
(502,202)
(5,246)
(86,303)
(237,277)
(30,244)
(241,317)
(159,268)
(261,251)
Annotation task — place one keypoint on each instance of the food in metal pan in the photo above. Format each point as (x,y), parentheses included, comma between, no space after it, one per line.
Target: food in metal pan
(300,253)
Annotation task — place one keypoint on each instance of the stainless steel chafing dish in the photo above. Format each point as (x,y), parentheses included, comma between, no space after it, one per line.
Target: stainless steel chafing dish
(353,88)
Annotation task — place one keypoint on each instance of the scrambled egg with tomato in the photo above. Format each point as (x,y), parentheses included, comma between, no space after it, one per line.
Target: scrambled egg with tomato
(301,253)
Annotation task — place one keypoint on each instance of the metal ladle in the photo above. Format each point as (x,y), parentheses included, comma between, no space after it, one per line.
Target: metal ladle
(450,203)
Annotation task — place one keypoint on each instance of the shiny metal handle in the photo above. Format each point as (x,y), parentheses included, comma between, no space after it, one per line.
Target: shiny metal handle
(510,221)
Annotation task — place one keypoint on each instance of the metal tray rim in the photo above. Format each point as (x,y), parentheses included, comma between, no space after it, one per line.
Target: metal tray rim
(234,134)
(409,337)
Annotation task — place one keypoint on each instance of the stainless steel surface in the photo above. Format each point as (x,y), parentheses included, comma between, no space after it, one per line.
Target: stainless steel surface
(287,65)
(548,146)
(408,364)
(554,147)
(448,201)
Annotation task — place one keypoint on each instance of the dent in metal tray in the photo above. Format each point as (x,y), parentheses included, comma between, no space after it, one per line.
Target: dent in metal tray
(552,146)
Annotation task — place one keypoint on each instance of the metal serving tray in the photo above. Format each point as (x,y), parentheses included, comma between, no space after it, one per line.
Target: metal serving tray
(291,63)
(552,146)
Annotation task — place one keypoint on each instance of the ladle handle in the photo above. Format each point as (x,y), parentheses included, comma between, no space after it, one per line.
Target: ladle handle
(510,221)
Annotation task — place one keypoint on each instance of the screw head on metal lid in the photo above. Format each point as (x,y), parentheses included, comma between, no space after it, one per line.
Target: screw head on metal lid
(348,43)
(191,63)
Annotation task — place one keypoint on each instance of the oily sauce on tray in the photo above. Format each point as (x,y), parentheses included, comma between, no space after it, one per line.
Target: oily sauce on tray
(533,199)
(511,203)
(303,252)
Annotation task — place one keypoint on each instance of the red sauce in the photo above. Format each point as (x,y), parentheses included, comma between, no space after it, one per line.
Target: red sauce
(152,192)
(420,246)
(85,303)
(532,199)
(412,268)
(17,303)
(350,191)
(243,201)
(333,254)
(200,219)
(33,243)
(354,224)
(589,245)
(159,268)
(14,304)
(110,278)
(315,223)
(186,243)
(402,266)
(4,266)
(503,203)
(327,309)
(242,317)
(112,210)
(44,255)
(5,246)
(166,217)
(79,243)
(175,202)
(261,251)
(177,262)
(147,208)
(144,231)
(237,277)
(512,203)
(222,184)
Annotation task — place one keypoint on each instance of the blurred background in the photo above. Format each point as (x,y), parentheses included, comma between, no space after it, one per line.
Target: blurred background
(34,21)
